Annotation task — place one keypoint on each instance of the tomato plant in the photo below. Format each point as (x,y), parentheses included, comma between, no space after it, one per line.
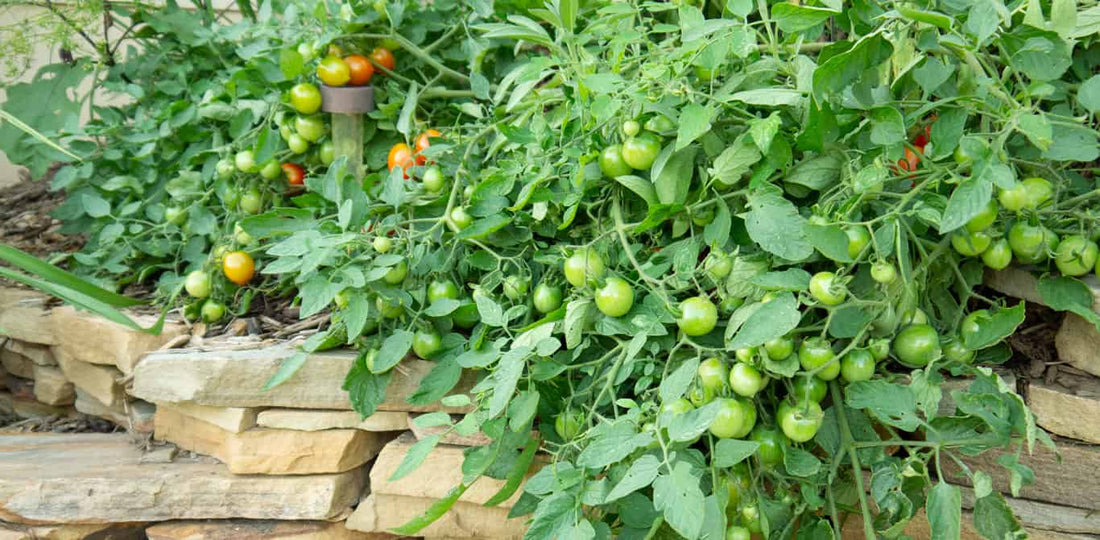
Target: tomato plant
(360,70)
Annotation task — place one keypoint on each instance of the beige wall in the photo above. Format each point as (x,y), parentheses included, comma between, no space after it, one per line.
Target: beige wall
(44,54)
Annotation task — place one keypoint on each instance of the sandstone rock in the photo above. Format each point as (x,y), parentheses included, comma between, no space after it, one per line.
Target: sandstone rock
(51,387)
(234,378)
(97,478)
(1021,283)
(39,354)
(306,420)
(1078,343)
(269,451)
(23,316)
(382,512)
(232,419)
(105,531)
(136,415)
(1041,518)
(440,471)
(477,439)
(1069,411)
(31,408)
(93,339)
(919,528)
(100,382)
(16,364)
(241,529)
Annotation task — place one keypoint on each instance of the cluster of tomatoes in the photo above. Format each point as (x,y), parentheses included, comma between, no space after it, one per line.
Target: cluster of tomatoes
(353,69)
(638,150)
(237,267)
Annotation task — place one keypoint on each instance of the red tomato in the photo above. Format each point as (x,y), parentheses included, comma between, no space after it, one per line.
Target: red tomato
(384,58)
(913,158)
(920,140)
(422,142)
(361,70)
(400,155)
(295,174)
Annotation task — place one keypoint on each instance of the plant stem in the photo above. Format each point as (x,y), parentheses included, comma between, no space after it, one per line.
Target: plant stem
(857,470)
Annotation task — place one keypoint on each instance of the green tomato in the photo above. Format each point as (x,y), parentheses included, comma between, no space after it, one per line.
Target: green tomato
(305,98)
(245,161)
(955,351)
(779,348)
(748,413)
(1039,191)
(459,218)
(702,218)
(396,274)
(252,201)
(311,128)
(730,419)
(225,169)
(698,316)
(442,289)
(327,153)
(917,345)
(825,289)
(750,518)
(1076,255)
(1028,242)
(857,365)
(817,352)
(883,272)
(730,304)
(800,422)
(568,424)
(615,298)
(433,179)
(970,244)
(963,158)
(341,299)
(641,151)
(212,311)
(240,235)
(175,215)
(971,325)
(631,128)
(388,309)
(271,170)
(659,123)
(515,287)
(197,284)
(297,144)
(466,316)
(718,265)
(746,355)
(426,343)
(916,316)
(285,132)
(583,266)
(808,387)
(712,374)
(1013,199)
(700,396)
(676,406)
(770,451)
(879,348)
(736,532)
(746,380)
(546,298)
(999,255)
(984,219)
(305,50)
(612,163)
(382,244)
(858,238)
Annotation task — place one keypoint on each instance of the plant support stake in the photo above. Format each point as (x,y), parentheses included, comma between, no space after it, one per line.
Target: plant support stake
(347,104)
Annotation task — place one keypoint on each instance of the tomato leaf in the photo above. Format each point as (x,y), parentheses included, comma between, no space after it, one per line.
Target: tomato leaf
(640,475)
(769,321)
(945,510)
(968,200)
(678,497)
(730,452)
(694,122)
(775,224)
(1001,324)
(673,173)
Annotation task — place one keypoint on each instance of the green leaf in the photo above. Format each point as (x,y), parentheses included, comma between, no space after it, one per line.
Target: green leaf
(840,71)
(393,349)
(1037,130)
(763,131)
(946,131)
(406,121)
(730,452)
(934,18)
(775,224)
(679,498)
(736,160)
(694,122)
(366,390)
(791,279)
(287,368)
(887,126)
(769,321)
(554,516)
(434,512)
(415,456)
(577,314)
(505,378)
(848,321)
(1073,143)
(817,173)
(800,462)
(1088,94)
(982,19)
(945,511)
(291,63)
(1064,293)
(673,174)
(1039,54)
(994,519)
(769,97)
(717,232)
(690,425)
(522,410)
(991,330)
(890,403)
(796,18)
(830,240)
(491,312)
(640,186)
(931,74)
(676,384)
(610,443)
(640,475)
(969,198)
(485,226)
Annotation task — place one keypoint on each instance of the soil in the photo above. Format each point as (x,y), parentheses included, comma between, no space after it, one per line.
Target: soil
(81,423)
(25,221)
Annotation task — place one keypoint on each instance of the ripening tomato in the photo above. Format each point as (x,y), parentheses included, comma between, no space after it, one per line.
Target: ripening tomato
(400,156)
(383,57)
(615,298)
(360,70)
(817,354)
(641,151)
(920,141)
(800,421)
(912,159)
(422,143)
(1076,255)
(295,174)
(238,267)
(698,316)
(333,71)
(197,284)
(611,162)
(583,266)
(305,98)
(917,345)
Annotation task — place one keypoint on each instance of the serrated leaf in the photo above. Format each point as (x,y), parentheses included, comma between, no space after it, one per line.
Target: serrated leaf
(640,475)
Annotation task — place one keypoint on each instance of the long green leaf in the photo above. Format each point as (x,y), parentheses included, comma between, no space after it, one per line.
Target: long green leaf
(55,275)
(83,301)
(11,119)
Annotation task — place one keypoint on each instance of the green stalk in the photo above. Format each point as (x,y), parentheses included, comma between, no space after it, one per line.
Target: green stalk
(857,470)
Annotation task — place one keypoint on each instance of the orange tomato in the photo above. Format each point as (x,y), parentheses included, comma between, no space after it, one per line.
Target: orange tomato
(912,158)
(422,142)
(360,68)
(295,174)
(384,58)
(238,267)
(400,156)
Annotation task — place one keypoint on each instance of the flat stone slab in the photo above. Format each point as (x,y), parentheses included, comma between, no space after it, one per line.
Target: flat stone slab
(39,354)
(232,419)
(23,316)
(98,381)
(270,451)
(1021,283)
(306,420)
(104,531)
(1078,343)
(449,437)
(381,513)
(30,408)
(98,478)
(93,339)
(234,378)
(16,364)
(1069,406)
(244,529)
(51,387)
(136,415)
